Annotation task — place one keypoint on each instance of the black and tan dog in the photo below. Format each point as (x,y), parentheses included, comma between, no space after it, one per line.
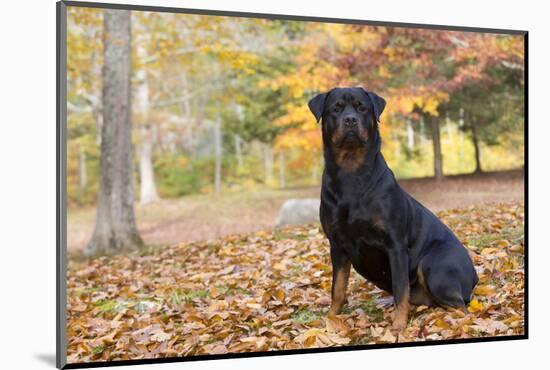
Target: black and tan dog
(374,225)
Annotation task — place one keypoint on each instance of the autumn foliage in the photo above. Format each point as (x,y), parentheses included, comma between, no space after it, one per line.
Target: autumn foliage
(249,80)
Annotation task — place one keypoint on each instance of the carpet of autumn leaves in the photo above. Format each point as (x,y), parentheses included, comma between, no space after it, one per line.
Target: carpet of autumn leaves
(269,291)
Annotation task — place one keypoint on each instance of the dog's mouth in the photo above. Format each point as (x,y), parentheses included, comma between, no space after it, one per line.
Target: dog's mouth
(351,138)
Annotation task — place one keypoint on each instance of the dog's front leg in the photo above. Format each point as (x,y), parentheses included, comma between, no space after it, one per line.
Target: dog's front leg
(341,266)
(399,265)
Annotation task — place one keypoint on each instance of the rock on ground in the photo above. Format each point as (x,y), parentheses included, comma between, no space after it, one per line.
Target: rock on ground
(298,211)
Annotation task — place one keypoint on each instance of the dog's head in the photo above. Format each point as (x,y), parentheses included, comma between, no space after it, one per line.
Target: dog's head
(350,117)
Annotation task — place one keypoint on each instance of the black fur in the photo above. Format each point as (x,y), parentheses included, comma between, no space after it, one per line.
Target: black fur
(388,236)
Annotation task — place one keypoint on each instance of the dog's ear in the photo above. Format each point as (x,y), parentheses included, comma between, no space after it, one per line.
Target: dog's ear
(317,105)
(377,102)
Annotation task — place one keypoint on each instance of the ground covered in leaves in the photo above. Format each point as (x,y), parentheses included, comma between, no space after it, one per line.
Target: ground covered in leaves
(271,290)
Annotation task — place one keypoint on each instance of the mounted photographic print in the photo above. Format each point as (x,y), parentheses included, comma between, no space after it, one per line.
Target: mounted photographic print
(238,185)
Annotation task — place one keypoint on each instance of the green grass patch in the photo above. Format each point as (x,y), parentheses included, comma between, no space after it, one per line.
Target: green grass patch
(305,316)
(282,234)
(150,249)
(233,290)
(369,307)
(109,306)
(485,240)
(98,349)
(179,297)
(85,291)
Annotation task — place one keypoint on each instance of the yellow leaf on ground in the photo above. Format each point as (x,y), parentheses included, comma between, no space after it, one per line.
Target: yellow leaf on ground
(475,306)
(310,341)
(484,290)
(312,332)
(279,294)
(503,243)
(486,251)
(441,323)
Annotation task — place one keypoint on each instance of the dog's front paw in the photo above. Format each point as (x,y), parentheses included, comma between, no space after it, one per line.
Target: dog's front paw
(399,324)
(399,321)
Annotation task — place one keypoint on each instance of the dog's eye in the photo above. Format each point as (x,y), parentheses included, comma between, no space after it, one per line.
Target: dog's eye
(361,108)
(336,109)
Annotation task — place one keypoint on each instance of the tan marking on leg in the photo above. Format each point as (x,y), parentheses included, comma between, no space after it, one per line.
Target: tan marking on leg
(401,311)
(339,290)
(421,295)
(421,278)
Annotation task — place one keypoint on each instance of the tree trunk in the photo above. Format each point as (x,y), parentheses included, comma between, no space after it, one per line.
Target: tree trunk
(82,173)
(436,139)
(422,131)
(148,188)
(218,156)
(239,153)
(410,135)
(268,163)
(282,177)
(461,132)
(476,148)
(115,230)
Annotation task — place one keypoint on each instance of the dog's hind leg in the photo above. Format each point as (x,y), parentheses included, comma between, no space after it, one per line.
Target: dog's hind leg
(448,276)
(419,292)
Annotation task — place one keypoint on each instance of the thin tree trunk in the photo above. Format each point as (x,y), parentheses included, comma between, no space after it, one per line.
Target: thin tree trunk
(410,135)
(282,177)
(218,156)
(94,99)
(82,173)
(436,139)
(148,189)
(476,148)
(268,163)
(115,230)
(422,131)
(239,153)
(461,132)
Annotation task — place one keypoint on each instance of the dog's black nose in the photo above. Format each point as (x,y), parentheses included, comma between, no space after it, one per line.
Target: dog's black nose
(350,120)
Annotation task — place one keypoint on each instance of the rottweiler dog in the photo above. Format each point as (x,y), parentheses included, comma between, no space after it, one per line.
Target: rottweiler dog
(375,226)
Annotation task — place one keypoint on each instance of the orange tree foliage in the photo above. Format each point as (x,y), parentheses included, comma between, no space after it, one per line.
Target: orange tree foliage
(414,69)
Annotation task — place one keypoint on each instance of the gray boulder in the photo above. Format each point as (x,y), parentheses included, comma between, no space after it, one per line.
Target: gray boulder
(298,211)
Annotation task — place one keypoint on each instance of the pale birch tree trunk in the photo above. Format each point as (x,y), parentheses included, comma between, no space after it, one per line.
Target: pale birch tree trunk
(239,153)
(82,171)
(148,189)
(218,156)
(115,230)
(410,135)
